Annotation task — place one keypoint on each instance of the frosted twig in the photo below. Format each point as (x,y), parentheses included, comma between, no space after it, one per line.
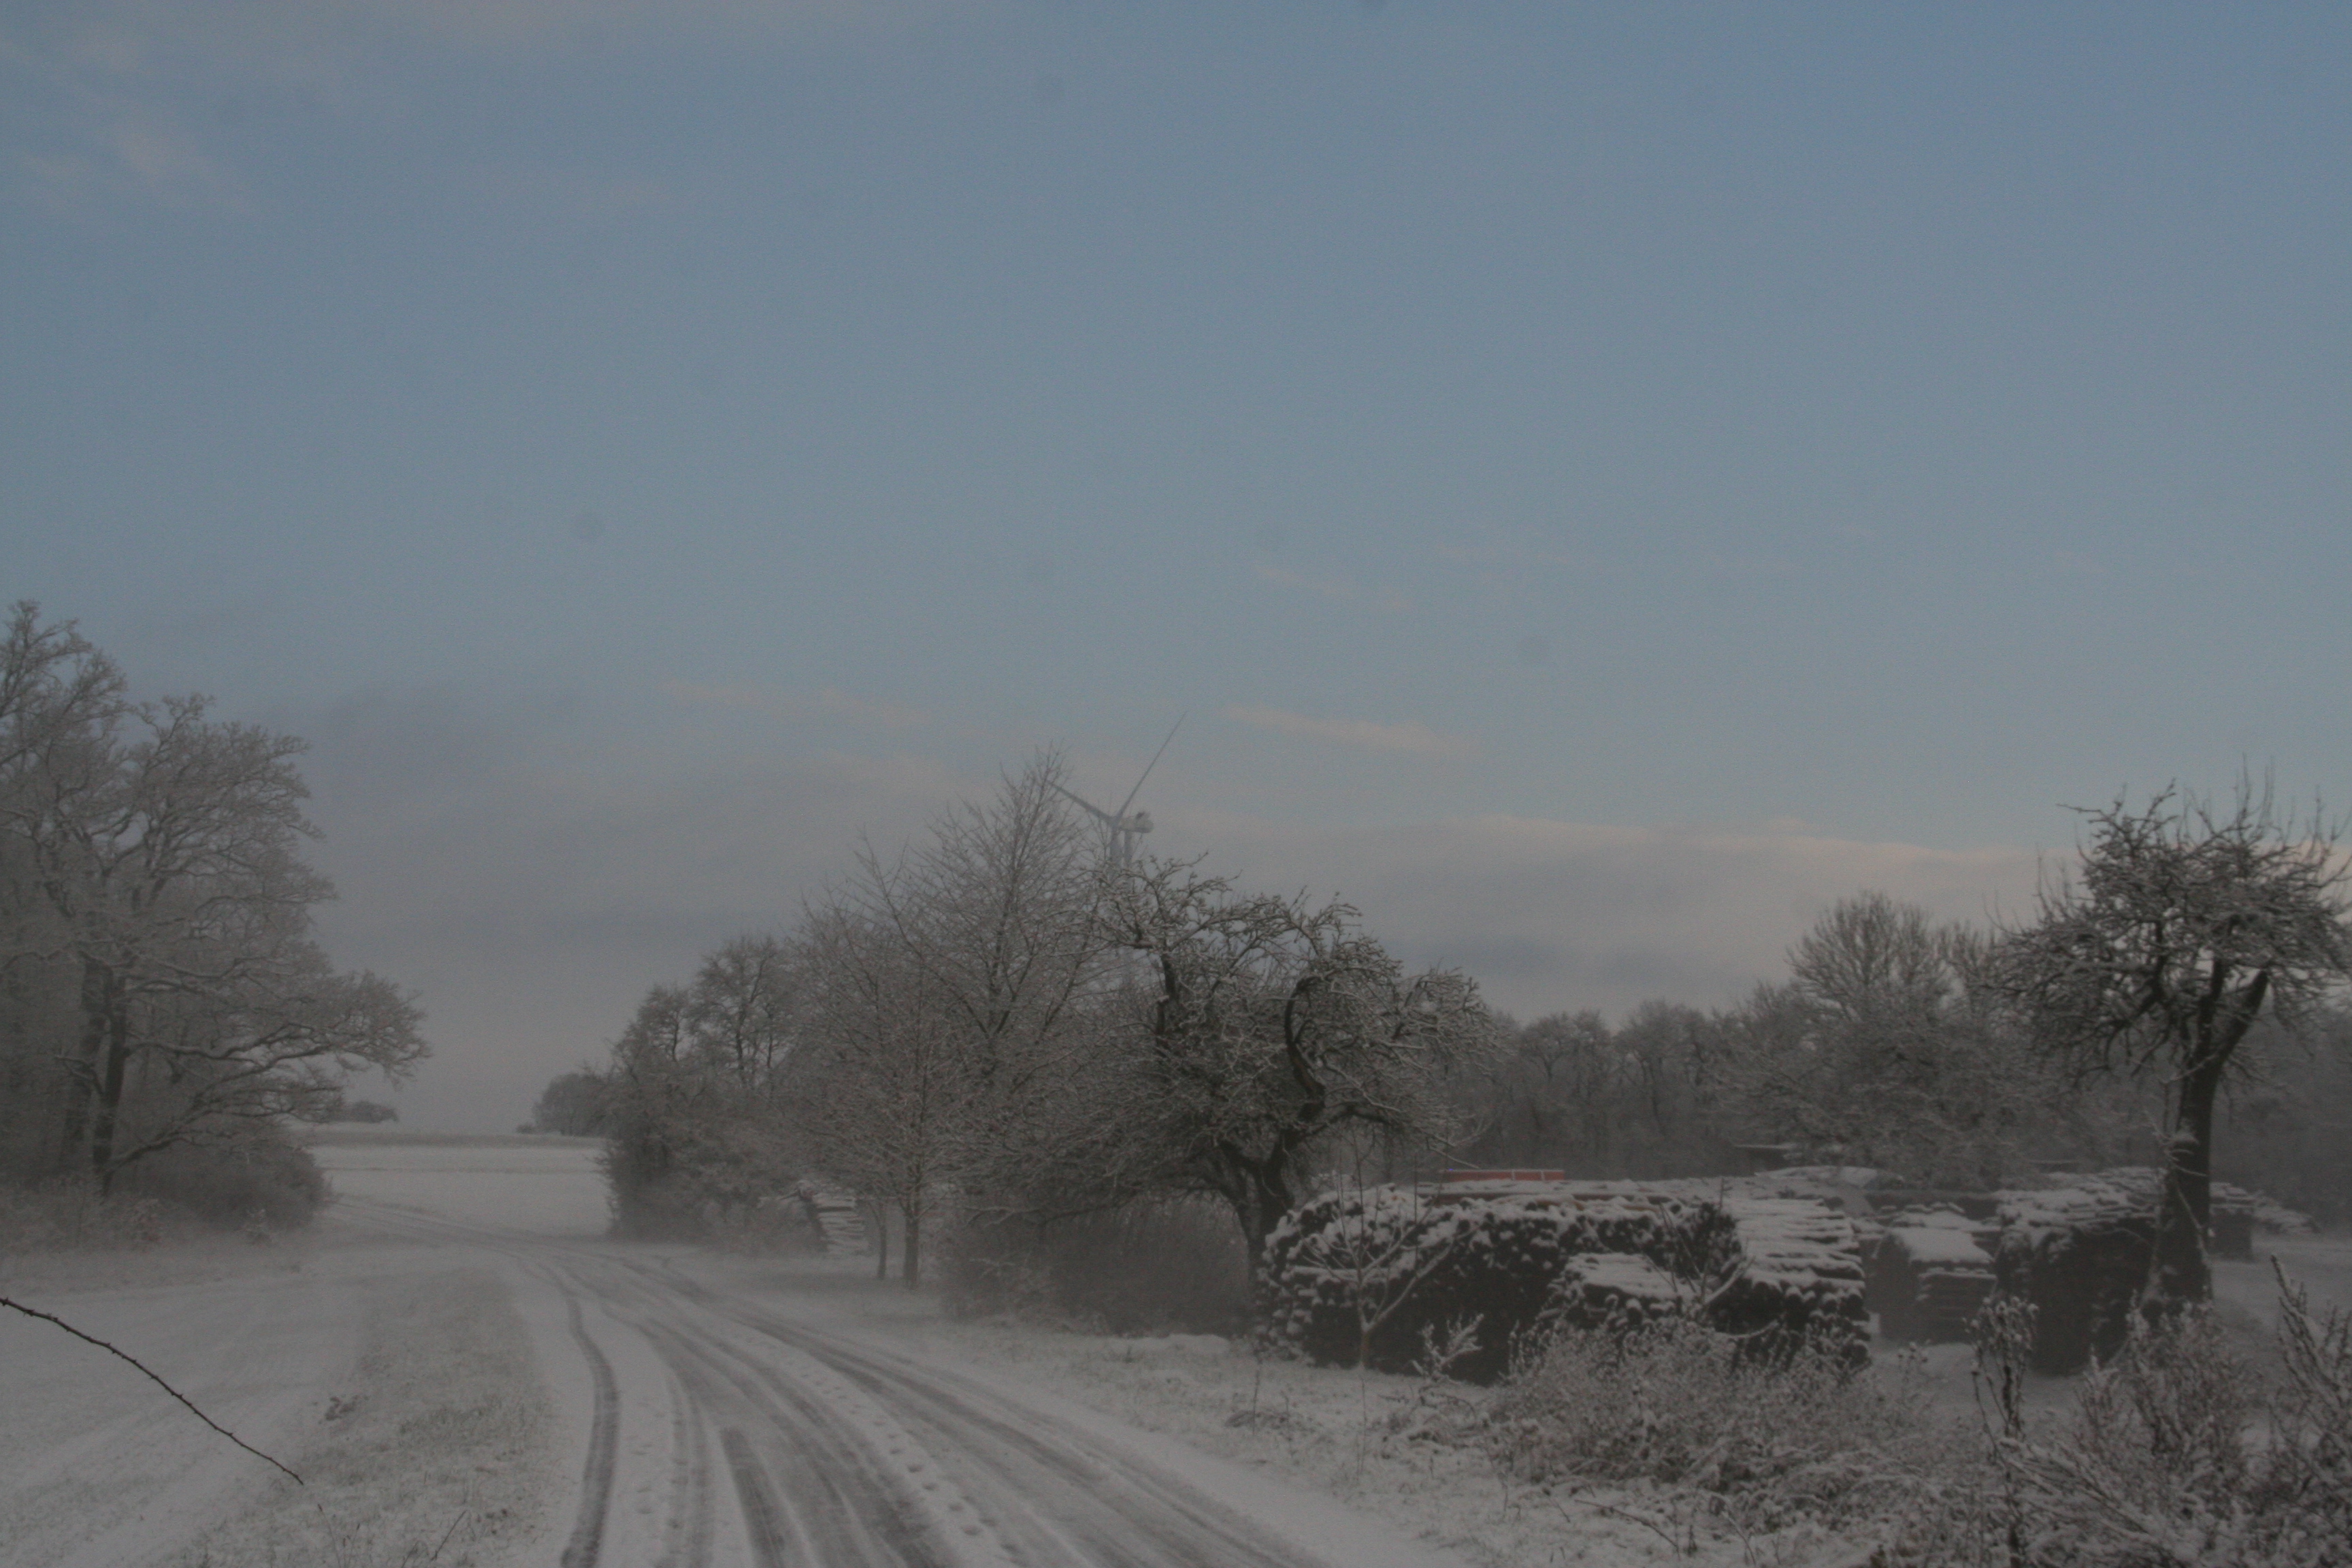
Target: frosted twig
(153,1376)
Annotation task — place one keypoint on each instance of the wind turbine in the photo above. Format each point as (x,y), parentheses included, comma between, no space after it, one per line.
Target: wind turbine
(1124,826)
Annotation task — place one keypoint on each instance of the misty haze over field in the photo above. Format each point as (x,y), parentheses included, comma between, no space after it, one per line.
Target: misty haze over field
(1602,485)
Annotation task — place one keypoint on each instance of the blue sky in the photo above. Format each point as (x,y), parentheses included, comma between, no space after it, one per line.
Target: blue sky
(1601,481)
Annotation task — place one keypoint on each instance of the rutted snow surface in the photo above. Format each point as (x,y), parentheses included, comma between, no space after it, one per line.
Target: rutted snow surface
(465,1371)
(527,1394)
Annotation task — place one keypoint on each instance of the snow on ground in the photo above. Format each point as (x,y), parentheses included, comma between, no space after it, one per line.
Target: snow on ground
(101,1468)
(434,1442)
(547,1186)
(431,1387)
(395,1378)
(1366,1441)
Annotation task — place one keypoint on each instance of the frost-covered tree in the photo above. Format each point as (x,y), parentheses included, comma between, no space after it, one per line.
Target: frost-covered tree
(991,917)
(572,1104)
(954,997)
(2183,928)
(1268,1028)
(882,1093)
(154,866)
(694,1101)
(1887,1043)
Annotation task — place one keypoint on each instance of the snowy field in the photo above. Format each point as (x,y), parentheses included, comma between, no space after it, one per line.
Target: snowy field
(542,1184)
(465,1372)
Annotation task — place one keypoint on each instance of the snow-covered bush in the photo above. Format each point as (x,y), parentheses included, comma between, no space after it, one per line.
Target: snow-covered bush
(67,1214)
(256,1170)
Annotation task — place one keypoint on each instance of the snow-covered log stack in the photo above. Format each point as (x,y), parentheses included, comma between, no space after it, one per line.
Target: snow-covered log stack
(1613,1293)
(1795,1278)
(1929,1275)
(2232,1232)
(2273,1217)
(1389,1268)
(2079,1254)
(835,1216)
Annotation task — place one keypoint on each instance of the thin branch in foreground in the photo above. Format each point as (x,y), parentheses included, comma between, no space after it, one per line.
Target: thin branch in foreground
(156,1379)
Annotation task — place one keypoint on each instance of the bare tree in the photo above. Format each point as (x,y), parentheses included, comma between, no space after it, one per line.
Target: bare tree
(741,1013)
(1887,1043)
(881,1092)
(955,999)
(994,917)
(2189,924)
(1269,1026)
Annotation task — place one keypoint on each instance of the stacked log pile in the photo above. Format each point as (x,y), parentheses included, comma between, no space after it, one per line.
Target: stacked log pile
(2234,1217)
(835,1216)
(1424,1262)
(2080,1254)
(1796,1279)
(1615,1292)
(1929,1275)
(1518,1262)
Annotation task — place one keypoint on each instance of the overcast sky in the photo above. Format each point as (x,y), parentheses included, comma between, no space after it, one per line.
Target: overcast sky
(1603,481)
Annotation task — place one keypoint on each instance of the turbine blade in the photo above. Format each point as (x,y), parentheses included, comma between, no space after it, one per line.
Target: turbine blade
(1149,765)
(1085,804)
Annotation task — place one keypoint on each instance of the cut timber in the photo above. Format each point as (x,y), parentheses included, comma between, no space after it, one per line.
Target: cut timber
(1929,1276)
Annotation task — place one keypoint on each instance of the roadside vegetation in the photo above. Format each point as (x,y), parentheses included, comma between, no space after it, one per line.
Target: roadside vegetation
(166,1011)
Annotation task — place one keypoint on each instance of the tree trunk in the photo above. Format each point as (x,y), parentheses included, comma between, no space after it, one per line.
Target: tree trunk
(109,1103)
(1252,1242)
(1260,1198)
(910,1268)
(82,1069)
(2182,1273)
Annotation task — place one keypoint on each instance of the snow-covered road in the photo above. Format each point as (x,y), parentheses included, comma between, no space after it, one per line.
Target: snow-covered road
(704,1412)
(777,1429)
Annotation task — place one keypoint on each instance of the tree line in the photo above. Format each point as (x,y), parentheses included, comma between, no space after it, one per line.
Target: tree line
(161,989)
(1012,1019)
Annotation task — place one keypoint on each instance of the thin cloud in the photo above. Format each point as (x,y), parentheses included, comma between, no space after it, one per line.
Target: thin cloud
(825,702)
(137,157)
(1501,555)
(1340,589)
(1411,736)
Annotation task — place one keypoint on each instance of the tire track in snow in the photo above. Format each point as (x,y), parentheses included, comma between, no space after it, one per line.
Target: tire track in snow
(843,1454)
(603,1440)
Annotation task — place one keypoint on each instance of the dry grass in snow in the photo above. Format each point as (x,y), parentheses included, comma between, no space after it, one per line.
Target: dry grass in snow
(435,1449)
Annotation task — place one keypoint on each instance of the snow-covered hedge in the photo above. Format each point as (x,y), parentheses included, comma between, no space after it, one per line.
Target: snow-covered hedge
(1384,1273)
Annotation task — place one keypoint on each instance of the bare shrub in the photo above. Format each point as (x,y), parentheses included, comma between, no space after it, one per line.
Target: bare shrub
(1778,1440)
(258,1173)
(1174,1265)
(69,1215)
(2170,1460)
